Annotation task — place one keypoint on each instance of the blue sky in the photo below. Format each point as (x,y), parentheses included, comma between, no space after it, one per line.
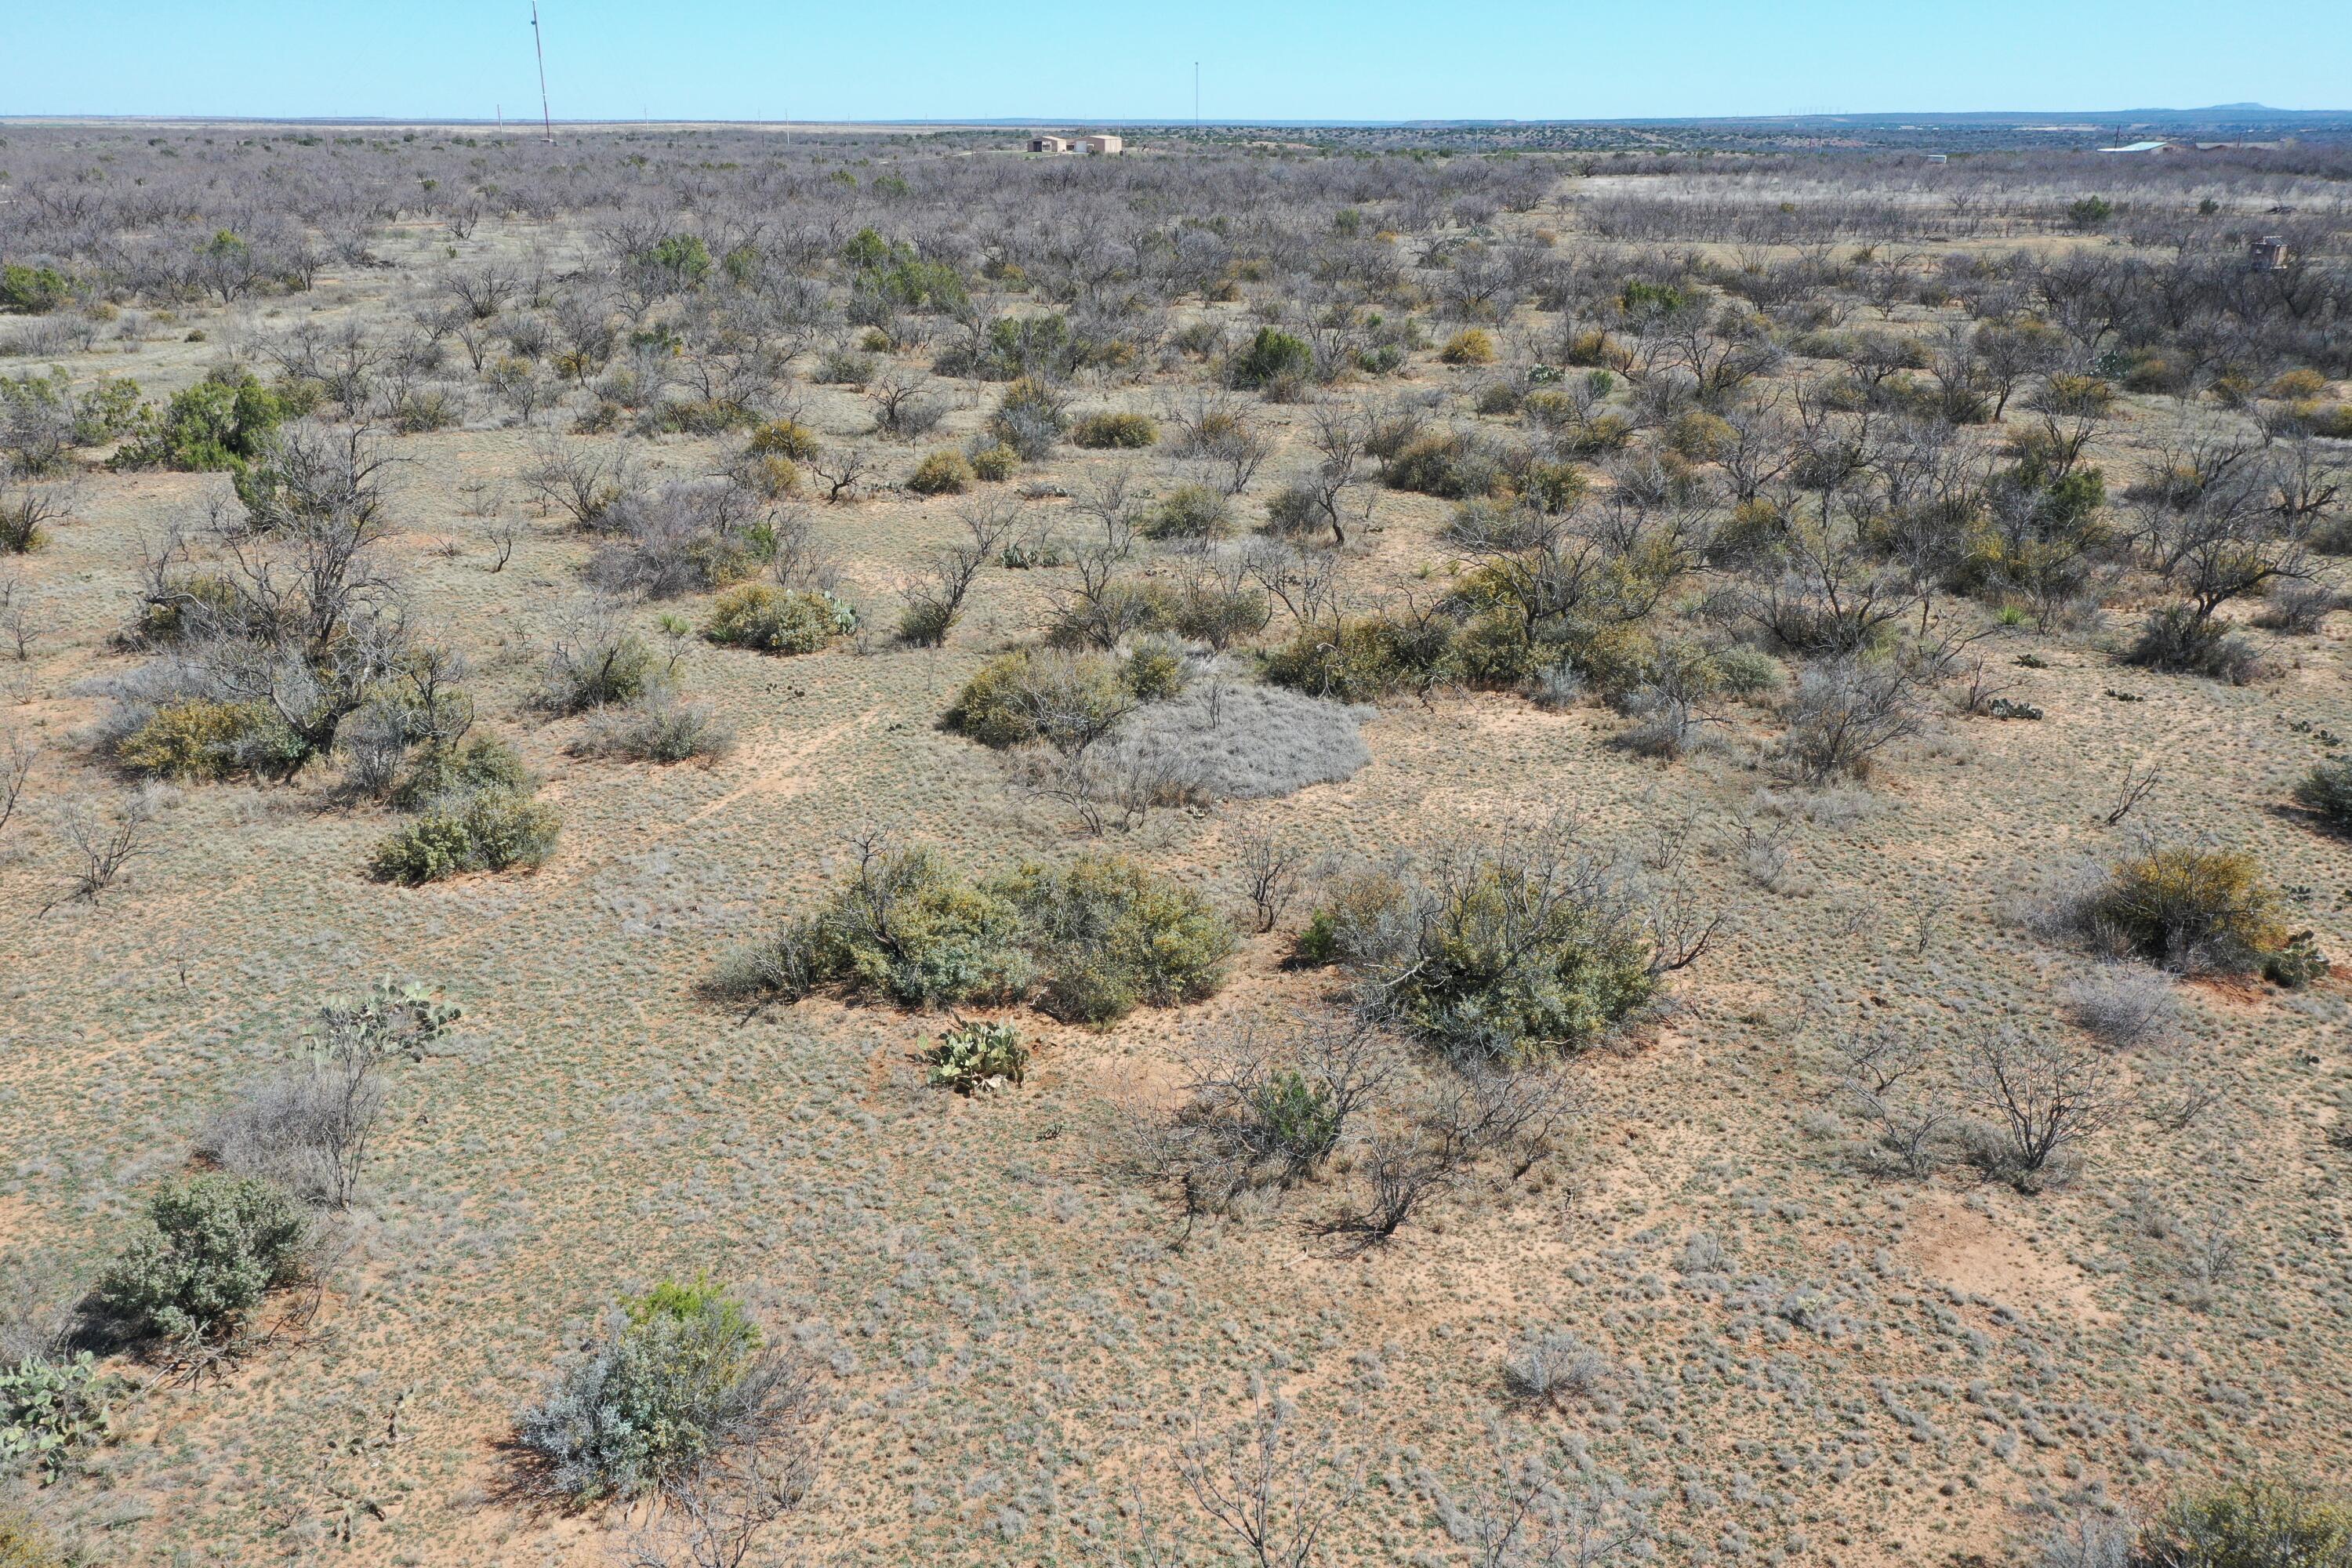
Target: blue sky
(1375,59)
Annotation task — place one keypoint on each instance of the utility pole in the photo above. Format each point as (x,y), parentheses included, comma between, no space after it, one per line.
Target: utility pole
(540,50)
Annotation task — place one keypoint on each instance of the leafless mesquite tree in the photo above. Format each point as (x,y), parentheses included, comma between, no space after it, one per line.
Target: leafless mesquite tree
(16,762)
(1273,1490)
(2040,1098)
(104,842)
(1271,868)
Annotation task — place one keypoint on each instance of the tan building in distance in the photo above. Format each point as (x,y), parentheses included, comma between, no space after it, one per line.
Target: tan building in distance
(1048,144)
(1102,145)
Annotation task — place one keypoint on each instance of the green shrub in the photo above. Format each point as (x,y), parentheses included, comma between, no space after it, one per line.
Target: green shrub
(2183,908)
(202,740)
(974,1056)
(1363,660)
(1512,955)
(2183,643)
(480,762)
(1115,611)
(1209,611)
(1154,669)
(1190,511)
(1028,419)
(1473,345)
(223,422)
(1115,430)
(211,1248)
(25,1544)
(777,620)
(2089,212)
(1017,697)
(2252,1524)
(943,474)
(2327,790)
(1110,935)
(1744,671)
(995,462)
(906,926)
(602,665)
(32,291)
(682,1378)
(1454,465)
(1105,934)
(1272,355)
(48,1409)
(488,830)
(786,438)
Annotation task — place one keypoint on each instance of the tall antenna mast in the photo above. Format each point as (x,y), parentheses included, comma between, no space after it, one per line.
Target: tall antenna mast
(540,50)
(1196,95)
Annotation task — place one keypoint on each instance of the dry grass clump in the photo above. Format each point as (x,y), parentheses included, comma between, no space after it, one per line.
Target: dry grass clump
(659,726)
(2123,1006)
(1221,740)
(682,538)
(1554,1366)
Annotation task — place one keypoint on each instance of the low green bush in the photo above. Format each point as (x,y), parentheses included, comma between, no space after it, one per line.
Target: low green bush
(494,829)
(1094,939)
(223,422)
(212,1247)
(1154,669)
(1101,431)
(786,438)
(1190,511)
(2187,908)
(1019,696)
(681,1378)
(1272,355)
(1453,465)
(202,740)
(1510,955)
(32,291)
(1110,935)
(1473,345)
(777,620)
(907,926)
(26,1543)
(2177,640)
(943,474)
(477,763)
(2326,789)
(1361,659)
(2258,1524)
(994,462)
